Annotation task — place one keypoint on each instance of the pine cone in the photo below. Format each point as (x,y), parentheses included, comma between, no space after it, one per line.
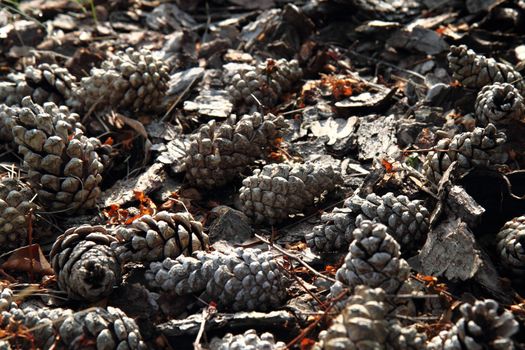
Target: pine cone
(483,326)
(108,328)
(361,324)
(7,115)
(63,164)
(335,232)
(15,204)
(476,71)
(85,265)
(267,82)
(373,260)
(131,79)
(164,235)
(278,190)
(94,328)
(406,221)
(249,340)
(499,104)
(404,338)
(244,280)
(219,153)
(479,148)
(511,245)
(43,83)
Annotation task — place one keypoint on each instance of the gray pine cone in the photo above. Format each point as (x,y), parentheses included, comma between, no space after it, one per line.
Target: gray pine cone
(406,220)
(479,148)
(483,326)
(511,245)
(267,82)
(243,280)
(499,103)
(361,324)
(334,234)
(16,200)
(476,71)
(219,153)
(85,265)
(249,340)
(279,190)
(7,116)
(373,260)
(63,164)
(130,79)
(95,328)
(108,328)
(404,338)
(163,235)
(43,83)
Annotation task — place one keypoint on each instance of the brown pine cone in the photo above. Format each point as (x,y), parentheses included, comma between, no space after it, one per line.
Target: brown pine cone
(163,235)
(219,153)
(43,83)
(279,190)
(130,79)
(63,165)
(85,265)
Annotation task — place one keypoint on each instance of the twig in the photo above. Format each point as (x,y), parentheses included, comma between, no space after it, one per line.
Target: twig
(181,95)
(296,258)
(30,240)
(207,312)
(312,325)
(378,61)
(298,280)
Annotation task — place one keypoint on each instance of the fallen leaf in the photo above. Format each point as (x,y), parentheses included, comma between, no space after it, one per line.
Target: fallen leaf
(29,259)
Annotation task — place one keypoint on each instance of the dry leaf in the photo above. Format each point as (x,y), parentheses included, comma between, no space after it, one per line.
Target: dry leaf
(29,259)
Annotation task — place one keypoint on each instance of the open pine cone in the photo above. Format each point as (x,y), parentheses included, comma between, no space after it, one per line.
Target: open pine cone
(243,280)
(484,325)
(85,265)
(63,165)
(130,79)
(279,190)
(163,235)
(220,152)
(511,245)
(499,103)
